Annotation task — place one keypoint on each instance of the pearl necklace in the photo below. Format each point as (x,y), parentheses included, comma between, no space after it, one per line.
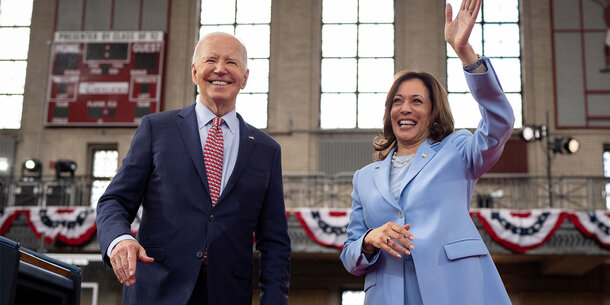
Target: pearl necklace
(402,163)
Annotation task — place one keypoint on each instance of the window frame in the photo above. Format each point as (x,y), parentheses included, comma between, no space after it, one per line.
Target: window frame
(234,26)
(357,58)
(483,23)
(92,149)
(23,60)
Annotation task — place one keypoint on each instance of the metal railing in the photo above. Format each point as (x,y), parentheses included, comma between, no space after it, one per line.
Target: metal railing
(318,190)
(508,191)
(48,191)
(531,192)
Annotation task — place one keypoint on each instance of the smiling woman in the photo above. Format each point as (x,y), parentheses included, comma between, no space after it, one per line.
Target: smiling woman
(410,114)
(416,108)
(15,17)
(410,208)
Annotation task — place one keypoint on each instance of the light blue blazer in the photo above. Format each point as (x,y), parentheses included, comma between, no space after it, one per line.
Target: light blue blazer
(452,264)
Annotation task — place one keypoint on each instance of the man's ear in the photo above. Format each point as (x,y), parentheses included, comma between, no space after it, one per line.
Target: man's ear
(243,84)
(194,74)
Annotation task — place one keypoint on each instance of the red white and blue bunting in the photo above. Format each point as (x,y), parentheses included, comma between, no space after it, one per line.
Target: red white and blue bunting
(518,231)
(7,216)
(593,224)
(72,226)
(327,227)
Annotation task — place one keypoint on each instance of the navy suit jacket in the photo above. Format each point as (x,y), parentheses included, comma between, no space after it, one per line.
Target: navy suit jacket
(164,172)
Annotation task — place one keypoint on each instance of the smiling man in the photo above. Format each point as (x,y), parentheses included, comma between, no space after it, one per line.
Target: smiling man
(219,70)
(207,181)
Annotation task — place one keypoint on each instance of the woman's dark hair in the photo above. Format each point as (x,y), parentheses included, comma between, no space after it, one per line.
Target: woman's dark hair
(440,120)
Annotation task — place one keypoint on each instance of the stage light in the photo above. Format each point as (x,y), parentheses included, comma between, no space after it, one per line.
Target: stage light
(31,165)
(64,166)
(4,166)
(531,133)
(565,145)
(562,145)
(572,145)
(555,145)
(527,134)
(31,170)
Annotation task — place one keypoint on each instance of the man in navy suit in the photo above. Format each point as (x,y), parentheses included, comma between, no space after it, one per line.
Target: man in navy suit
(194,244)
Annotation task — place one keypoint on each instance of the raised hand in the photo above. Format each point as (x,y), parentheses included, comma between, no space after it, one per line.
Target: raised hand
(457,31)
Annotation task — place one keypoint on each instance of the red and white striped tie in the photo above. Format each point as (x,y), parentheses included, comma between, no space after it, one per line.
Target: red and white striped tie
(213,158)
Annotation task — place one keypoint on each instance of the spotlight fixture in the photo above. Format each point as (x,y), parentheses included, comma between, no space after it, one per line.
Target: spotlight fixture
(64,166)
(531,133)
(565,145)
(4,165)
(562,145)
(31,170)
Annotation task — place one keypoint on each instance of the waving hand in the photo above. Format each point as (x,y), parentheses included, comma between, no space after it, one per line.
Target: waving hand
(457,31)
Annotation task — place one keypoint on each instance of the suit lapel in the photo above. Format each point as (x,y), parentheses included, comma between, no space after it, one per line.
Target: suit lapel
(423,156)
(382,179)
(246,145)
(187,124)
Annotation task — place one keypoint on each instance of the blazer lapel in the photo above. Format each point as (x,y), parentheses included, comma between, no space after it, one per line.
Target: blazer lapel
(381,176)
(424,154)
(187,124)
(246,145)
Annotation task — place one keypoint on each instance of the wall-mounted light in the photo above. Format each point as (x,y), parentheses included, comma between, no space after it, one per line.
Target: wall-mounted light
(562,145)
(531,133)
(31,170)
(4,166)
(565,145)
(63,166)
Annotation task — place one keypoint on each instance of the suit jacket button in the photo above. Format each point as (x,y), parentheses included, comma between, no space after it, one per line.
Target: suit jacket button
(399,214)
(199,254)
(211,217)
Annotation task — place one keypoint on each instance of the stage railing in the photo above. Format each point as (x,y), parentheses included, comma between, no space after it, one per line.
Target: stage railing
(507,191)
(510,191)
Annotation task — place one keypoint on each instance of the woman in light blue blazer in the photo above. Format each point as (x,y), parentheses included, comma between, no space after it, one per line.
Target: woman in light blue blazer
(410,231)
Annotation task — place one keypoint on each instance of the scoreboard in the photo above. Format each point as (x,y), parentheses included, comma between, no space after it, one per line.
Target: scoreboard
(104,78)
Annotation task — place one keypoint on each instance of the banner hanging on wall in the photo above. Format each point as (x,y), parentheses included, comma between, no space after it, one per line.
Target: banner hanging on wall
(518,231)
(594,224)
(327,227)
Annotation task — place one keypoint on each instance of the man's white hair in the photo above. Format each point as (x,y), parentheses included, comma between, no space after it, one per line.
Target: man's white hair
(200,42)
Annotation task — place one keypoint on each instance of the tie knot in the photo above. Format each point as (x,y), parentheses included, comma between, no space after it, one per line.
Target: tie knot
(217,122)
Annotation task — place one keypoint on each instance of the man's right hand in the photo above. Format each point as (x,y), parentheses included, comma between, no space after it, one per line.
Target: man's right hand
(123,260)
